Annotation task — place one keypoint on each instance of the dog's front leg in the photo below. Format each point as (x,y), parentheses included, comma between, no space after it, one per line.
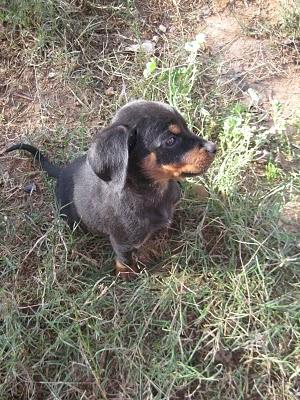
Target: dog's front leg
(126,266)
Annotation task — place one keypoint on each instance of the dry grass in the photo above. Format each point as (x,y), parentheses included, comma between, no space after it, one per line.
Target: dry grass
(216,315)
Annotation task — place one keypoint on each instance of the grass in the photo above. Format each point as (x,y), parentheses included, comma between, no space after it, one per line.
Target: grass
(282,27)
(216,313)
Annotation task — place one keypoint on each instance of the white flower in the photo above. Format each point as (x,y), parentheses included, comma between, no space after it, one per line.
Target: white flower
(253,95)
(201,38)
(193,46)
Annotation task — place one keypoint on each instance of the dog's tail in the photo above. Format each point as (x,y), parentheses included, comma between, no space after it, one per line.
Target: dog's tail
(51,169)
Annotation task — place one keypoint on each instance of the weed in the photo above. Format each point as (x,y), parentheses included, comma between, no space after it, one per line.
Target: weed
(291,19)
(272,172)
(238,140)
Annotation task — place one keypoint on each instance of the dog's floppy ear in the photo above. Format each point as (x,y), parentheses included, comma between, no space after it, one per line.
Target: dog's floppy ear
(108,155)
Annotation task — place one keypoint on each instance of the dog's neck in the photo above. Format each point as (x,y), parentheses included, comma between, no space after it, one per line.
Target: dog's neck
(141,184)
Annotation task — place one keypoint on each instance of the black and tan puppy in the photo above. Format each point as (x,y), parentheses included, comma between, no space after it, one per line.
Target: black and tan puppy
(126,186)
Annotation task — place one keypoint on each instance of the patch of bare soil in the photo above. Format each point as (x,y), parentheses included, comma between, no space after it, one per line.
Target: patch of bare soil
(44,90)
(250,58)
(253,62)
(290,217)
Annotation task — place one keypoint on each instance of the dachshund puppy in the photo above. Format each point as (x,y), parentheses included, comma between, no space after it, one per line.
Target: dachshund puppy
(126,185)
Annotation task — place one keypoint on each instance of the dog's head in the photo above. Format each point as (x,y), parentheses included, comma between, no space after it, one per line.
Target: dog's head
(149,140)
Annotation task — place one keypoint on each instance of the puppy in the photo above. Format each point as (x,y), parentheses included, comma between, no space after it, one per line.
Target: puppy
(126,185)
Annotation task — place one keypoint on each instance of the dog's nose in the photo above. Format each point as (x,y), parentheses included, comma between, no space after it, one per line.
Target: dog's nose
(210,147)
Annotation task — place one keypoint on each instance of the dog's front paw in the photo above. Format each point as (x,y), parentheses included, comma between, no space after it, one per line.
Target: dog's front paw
(126,272)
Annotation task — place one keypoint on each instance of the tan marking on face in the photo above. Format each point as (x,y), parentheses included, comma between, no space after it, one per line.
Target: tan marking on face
(173,128)
(155,171)
(195,161)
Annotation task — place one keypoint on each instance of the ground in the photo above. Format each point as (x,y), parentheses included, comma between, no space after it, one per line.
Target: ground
(215,314)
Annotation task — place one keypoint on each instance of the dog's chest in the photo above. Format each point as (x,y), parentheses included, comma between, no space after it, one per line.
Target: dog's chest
(159,217)
(150,212)
(161,213)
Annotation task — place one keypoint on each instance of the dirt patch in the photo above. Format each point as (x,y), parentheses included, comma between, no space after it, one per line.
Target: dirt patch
(253,62)
(267,9)
(34,98)
(290,217)
(242,36)
(45,89)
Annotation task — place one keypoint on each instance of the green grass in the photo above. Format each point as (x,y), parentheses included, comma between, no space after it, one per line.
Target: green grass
(216,315)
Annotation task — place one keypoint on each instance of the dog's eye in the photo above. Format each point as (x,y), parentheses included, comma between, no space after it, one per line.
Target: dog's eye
(171,141)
